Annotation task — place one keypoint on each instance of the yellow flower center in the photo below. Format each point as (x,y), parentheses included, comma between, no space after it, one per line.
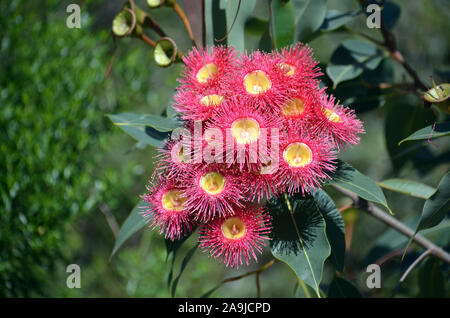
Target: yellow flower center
(293,107)
(331,115)
(257,82)
(206,72)
(233,228)
(288,69)
(173,200)
(297,155)
(245,130)
(212,182)
(211,100)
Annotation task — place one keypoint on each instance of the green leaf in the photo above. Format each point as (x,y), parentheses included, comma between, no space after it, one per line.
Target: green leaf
(351,58)
(184,263)
(237,12)
(149,129)
(437,206)
(282,23)
(215,23)
(390,14)
(429,132)
(334,19)
(304,291)
(431,279)
(392,240)
(134,222)
(359,97)
(351,179)
(300,243)
(341,288)
(384,73)
(408,187)
(256,26)
(309,15)
(401,121)
(172,248)
(160,123)
(335,228)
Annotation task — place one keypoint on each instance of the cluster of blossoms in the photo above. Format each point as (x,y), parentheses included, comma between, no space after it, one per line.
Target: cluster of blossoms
(256,126)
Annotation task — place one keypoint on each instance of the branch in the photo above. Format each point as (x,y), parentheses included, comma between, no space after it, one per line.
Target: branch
(185,20)
(410,268)
(232,279)
(395,224)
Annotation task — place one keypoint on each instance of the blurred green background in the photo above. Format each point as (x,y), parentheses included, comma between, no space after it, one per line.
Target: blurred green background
(69,178)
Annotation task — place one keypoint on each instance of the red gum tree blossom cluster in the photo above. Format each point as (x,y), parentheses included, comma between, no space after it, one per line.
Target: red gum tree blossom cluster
(269,102)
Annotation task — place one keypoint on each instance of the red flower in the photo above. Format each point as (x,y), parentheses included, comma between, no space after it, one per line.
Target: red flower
(208,67)
(298,64)
(177,156)
(301,106)
(261,78)
(212,191)
(338,123)
(235,239)
(246,128)
(168,209)
(199,104)
(305,160)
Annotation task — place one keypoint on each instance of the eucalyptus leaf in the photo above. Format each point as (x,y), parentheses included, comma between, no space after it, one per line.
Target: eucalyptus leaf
(390,14)
(237,12)
(133,223)
(184,263)
(334,19)
(431,279)
(408,187)
(299,239)
(341,288)
(309,16)
(335,228)
(437,206)
(282,23)
(429,132)
(215,23)
(351,59)
(149,129)
(402,120)
(347,177)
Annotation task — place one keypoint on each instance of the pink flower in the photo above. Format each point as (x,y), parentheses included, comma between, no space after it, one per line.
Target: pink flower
(207,68)
(168,209)
(246,128)
(264,183)
(199,104)
(298,64)
(338,123)
(301,106)
(235,239)
(261,78)
(305,160)
(212,191)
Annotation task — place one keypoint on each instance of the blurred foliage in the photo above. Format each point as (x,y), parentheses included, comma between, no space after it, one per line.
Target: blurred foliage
(64,165)
(53,141)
